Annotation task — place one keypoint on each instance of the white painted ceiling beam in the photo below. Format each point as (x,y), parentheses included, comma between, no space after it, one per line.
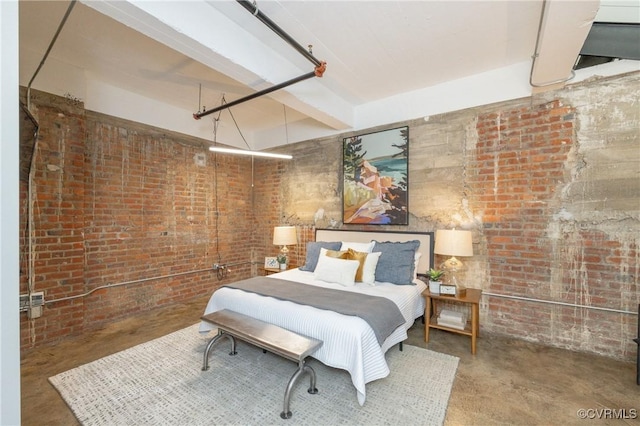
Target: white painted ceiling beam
(204,34)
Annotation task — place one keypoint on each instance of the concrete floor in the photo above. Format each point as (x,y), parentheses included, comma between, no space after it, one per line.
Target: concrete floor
(508,382)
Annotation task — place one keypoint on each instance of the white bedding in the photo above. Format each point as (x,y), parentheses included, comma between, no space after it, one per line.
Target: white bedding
(349,342)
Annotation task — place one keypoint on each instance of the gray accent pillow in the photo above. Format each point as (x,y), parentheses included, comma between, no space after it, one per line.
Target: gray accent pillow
(313,252)
(396,262)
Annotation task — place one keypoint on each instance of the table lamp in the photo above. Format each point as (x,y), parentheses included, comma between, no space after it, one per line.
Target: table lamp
(453,243)
(284,236)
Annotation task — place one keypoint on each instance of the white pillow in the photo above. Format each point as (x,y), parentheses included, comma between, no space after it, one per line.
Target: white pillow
(369,268)
(415,265)
(361,247)
(333,270)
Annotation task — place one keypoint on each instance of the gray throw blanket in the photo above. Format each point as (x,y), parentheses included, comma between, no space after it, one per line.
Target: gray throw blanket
(380,313)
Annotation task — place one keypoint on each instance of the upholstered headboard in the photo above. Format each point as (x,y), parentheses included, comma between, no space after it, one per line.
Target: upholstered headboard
(426,241)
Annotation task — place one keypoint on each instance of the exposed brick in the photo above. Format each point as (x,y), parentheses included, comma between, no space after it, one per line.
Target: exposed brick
(128,203)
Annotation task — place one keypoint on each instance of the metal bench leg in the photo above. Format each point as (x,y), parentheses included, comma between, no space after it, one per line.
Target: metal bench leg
(302,369)
(205,361)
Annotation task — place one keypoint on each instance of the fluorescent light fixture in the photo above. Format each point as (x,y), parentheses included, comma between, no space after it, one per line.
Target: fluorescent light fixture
(252,153)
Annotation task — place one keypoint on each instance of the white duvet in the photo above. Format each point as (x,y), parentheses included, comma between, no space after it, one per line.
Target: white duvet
(349,342)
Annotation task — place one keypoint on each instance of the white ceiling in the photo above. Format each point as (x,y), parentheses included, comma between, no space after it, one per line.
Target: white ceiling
(387,61)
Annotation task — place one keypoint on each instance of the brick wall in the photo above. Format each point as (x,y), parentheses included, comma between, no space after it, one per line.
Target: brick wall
(118,202)
(521,164)
(288,192)
(57,200)
(518,165)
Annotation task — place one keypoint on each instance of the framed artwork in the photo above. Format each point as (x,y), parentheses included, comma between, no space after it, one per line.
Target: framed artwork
(375,169)
(271,262)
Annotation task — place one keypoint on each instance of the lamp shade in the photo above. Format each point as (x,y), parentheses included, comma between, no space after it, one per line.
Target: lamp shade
(453,243)
(284,235)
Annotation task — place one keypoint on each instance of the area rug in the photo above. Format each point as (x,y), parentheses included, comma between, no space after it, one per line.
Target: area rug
(161,383)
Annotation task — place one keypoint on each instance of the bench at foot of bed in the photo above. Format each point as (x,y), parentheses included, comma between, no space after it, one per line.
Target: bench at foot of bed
(272,338)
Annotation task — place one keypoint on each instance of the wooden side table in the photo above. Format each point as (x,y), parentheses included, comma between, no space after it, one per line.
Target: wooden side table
(471,297)
(269,271)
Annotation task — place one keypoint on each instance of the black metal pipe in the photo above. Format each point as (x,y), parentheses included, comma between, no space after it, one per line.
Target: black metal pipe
(320,66)
(306,76)
(252,8)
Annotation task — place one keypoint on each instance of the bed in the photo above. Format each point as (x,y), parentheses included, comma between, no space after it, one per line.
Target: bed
(350,343)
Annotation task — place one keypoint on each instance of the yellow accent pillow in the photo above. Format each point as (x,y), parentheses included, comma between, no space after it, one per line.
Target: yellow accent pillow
(337,254)
(360,257)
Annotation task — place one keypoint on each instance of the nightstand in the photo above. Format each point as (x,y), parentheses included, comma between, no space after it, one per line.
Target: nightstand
(470,298)
(269,271)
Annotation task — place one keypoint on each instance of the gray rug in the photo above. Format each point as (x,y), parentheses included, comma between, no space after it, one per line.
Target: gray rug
(161,383)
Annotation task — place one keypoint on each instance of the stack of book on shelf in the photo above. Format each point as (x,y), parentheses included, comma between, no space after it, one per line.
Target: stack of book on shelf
(452,319)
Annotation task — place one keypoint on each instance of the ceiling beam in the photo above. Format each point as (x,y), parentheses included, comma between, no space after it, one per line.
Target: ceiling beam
(206,35)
